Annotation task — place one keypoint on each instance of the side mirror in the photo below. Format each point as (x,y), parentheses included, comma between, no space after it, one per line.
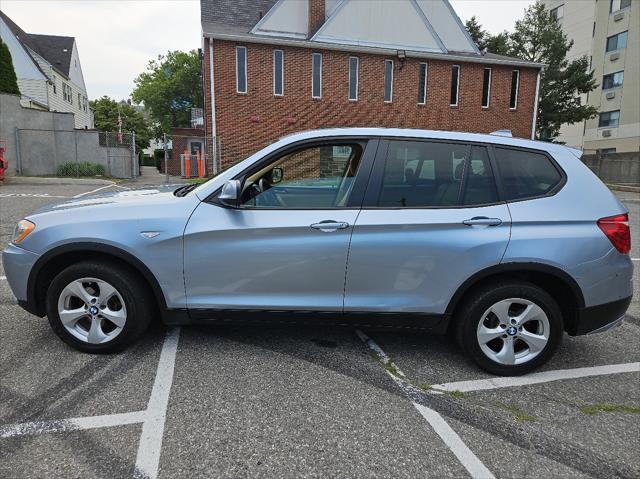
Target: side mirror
(230,194)
(276,175)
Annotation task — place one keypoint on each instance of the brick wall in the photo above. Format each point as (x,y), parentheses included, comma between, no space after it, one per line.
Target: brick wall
(180,142)
(247,122)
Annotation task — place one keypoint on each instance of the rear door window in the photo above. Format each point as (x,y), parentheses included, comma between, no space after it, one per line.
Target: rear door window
(422,174)
(525,174)
(480,186)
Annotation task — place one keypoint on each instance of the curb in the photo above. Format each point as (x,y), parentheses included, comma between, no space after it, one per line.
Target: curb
(37,180)
(632,189)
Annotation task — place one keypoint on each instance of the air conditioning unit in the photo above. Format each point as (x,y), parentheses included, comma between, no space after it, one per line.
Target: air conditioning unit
(614,56)
(611,95)
(618,16)
(606,133)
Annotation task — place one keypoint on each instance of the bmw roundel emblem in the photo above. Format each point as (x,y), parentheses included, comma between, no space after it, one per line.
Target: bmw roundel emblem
(512,330)
(93,310)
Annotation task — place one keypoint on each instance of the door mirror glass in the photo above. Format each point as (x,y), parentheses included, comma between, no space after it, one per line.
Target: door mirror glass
(276,175)
(230,193)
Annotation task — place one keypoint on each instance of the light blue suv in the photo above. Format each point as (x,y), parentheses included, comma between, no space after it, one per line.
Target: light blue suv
(505,243)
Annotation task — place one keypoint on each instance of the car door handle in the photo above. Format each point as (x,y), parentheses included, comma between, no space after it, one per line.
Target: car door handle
(482,221)
(330,225)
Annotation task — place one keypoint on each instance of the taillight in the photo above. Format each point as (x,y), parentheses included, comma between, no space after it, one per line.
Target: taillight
(616,228)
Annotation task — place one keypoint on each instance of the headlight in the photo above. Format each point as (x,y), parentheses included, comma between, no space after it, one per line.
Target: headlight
(22,230)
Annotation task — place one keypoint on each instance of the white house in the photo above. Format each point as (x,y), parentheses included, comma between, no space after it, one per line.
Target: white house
(49,72)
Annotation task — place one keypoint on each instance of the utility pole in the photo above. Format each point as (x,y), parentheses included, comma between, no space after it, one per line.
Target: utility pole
(166,170)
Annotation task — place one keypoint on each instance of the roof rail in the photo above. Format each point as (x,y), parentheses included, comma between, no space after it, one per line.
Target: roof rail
(505,133)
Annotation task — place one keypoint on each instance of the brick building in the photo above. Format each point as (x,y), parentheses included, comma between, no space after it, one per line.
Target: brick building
(272,68)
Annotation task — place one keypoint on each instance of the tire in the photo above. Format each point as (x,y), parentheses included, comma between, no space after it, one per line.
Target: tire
(509,328)
(122,306)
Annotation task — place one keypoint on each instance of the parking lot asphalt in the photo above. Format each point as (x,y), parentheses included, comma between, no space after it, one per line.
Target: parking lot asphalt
(302,401)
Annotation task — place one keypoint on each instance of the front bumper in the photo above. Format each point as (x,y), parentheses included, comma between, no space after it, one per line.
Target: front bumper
(600,318)
(17,264)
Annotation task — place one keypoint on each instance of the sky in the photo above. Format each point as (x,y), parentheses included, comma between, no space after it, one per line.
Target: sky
(117,38)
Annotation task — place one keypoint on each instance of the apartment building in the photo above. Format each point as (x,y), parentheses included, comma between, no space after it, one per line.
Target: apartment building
(608,33)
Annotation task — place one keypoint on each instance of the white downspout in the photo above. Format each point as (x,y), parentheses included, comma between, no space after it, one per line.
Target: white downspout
(214,136)
(535,106)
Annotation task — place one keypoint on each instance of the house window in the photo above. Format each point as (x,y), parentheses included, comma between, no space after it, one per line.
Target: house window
(616,5)
(612,80)
(422,85)
(316,75)
(515,85)
(354,63)
(388,81)
(455,85)
(241,69)
(617,42)
(557,13)
(67,94)
(278,72)
(486,88)
(609,119)
(79,101)
(607,151)
(54,84)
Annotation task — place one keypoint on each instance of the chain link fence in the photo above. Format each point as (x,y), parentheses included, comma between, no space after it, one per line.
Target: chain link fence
(76,153)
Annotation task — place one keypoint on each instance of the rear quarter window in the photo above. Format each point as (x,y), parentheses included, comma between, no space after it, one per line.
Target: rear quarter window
(525,174)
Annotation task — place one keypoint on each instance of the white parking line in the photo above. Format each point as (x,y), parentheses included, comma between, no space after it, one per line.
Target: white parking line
(73,424)
(30,195)
(467,458)
(148,459)
(94,191)
(536,378)
(635,259)
(2,277)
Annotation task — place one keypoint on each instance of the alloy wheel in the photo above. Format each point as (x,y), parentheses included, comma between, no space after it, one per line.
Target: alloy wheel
(92,310)
(513,331)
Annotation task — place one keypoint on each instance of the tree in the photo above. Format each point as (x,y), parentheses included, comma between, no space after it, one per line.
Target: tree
(539,38)
(8,80)
(477,33)
(105,111)
(485,41)
(499,44)
(170,87)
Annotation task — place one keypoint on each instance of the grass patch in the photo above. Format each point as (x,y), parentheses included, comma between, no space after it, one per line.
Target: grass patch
(197,180)
(593,409)
(456,394)
(391,369)
(518,414)
(83,169)
(425,387)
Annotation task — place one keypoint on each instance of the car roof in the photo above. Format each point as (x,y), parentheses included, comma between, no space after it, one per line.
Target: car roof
(430,134)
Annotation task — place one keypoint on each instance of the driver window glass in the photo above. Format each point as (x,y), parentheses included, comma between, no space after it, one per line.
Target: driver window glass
(319,177)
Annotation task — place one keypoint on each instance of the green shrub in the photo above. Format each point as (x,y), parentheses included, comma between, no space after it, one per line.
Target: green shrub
(72,169)
(148,161)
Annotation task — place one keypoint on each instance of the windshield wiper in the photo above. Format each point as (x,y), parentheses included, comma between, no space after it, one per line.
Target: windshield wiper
(183,190)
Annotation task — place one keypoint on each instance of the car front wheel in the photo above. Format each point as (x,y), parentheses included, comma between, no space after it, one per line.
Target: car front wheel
(510,328)
(98,307)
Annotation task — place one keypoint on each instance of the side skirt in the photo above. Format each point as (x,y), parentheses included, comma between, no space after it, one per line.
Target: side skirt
(433,323)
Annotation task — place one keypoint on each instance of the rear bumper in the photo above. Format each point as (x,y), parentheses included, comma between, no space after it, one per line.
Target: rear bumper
(600,318)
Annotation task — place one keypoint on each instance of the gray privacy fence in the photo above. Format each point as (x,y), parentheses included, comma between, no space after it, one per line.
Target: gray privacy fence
(41,152)
(619,168)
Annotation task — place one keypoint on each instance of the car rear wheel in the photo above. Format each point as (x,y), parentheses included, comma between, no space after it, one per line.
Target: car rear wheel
(98,307)
(510,328)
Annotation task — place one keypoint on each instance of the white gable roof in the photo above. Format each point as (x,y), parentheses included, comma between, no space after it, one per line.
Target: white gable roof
(287,18)
(384,23)
(447,25)
(416,25)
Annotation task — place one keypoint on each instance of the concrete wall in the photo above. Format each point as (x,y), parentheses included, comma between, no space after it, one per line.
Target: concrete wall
(616,167)
(47,139)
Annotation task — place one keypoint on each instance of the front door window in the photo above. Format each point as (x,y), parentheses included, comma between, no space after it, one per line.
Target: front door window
(318,177)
